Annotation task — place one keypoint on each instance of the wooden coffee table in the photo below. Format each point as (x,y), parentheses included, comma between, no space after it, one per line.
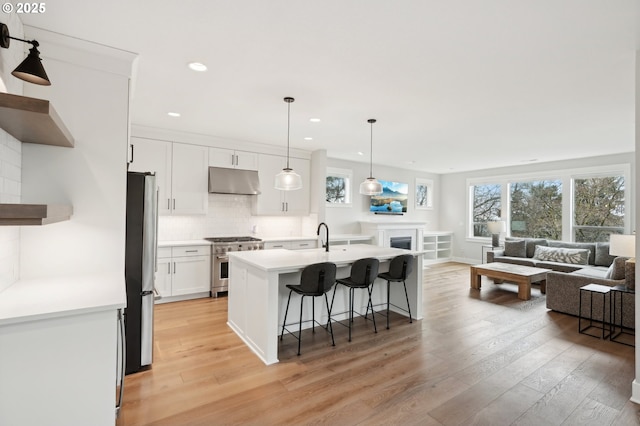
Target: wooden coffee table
(521,275)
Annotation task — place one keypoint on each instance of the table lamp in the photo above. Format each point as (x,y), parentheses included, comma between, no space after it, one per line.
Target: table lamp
(495,228)
(625,246)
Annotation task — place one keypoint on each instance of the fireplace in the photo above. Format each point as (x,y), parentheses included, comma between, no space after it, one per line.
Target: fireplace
(401,242)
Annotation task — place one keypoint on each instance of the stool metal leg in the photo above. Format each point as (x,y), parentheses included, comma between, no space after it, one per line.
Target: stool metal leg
(300,326)
(284,321)
(388,292)
(373,315)
(408,305)
(326,299)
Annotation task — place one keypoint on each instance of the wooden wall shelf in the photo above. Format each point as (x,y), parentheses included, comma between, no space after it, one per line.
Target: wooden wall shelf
(34,214)
(33,120)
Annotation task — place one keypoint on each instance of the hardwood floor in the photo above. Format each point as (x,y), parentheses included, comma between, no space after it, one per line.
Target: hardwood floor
(477,358)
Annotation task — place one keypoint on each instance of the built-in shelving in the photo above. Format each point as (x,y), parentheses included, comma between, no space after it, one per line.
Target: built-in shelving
(33,120)
(437,246)
(34,214)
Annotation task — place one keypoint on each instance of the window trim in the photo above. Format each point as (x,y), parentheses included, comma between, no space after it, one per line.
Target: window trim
(342,173)
(566,176)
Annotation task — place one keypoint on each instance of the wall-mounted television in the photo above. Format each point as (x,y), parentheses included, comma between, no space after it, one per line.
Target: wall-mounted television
(393,199)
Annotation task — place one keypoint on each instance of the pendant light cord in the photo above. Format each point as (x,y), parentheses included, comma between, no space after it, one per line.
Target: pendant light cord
(371,153)
(288,129)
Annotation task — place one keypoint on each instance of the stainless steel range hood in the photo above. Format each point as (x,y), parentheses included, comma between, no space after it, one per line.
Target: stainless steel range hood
(233,181)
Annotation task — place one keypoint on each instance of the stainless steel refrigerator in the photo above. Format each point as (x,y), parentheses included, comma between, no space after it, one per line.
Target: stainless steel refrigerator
(140,268)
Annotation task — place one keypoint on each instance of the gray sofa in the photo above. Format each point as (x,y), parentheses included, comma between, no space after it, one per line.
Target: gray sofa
(573,265)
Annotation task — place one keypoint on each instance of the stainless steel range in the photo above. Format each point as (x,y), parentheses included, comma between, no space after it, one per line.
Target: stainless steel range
(220,260)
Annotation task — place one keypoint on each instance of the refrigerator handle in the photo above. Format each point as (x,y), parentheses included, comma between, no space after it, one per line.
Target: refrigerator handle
(156,234)
(123,346)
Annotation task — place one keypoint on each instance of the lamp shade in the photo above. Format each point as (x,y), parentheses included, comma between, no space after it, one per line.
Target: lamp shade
(31,69)
(288,180)
(371,186)
(622,245)
(497,226)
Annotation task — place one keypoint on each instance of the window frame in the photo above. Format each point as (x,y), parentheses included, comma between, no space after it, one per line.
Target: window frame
(566,176)
(346,174)
(428,183)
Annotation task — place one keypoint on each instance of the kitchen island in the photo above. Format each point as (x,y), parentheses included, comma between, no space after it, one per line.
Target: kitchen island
(258,293)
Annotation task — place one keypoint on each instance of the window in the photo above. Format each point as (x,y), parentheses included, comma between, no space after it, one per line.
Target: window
(599,207)
(487,204)
(424,193)
(536,209)
(338,187)
(581,205)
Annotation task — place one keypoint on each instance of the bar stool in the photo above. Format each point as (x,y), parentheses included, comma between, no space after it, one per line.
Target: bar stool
(363,274)
(399,269)
(315,280)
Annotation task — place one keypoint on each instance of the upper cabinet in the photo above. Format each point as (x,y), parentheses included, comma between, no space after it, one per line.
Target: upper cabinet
(33,120)
(231,159)
(276,202)
(181,174)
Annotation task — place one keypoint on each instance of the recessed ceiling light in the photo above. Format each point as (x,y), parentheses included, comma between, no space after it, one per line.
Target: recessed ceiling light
(173,114)
(532,160)
(197,66)
(308,139)
(314,120)
(360,153)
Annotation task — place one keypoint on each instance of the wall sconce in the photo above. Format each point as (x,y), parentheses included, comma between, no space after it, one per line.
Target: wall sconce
(31,68)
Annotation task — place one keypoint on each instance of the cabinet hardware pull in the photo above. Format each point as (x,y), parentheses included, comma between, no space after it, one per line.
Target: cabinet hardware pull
(169,268)
(174,203)
(191,251)
(174,268)
(123,347)
(131,154)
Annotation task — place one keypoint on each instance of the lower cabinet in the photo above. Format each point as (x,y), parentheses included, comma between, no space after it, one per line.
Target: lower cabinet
(437,246)
(184,272)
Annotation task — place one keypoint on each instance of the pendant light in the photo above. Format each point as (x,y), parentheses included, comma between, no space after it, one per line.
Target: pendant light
(371,186)
(287,179)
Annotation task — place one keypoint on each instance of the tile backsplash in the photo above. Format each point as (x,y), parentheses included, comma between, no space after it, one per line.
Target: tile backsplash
(230,215)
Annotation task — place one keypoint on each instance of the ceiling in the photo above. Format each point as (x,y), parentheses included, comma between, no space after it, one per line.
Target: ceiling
(455,85)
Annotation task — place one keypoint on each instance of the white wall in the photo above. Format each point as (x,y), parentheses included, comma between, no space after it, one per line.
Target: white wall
(10,156)
(453,205)
(346,220)
(93,103)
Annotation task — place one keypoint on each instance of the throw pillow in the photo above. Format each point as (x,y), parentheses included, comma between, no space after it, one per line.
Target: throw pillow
(609,273)
(562,255)
(515,248)
(603,258)
(532,243)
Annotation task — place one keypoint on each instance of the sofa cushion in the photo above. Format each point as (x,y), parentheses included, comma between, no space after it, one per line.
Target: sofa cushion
(562,255)
(591,272)
(558,266)
(587,246)
(515,248)
(603,258)
(518,261)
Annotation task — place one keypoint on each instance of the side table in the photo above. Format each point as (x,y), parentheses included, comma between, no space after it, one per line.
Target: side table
(618,331)
(485,249)
(591,290)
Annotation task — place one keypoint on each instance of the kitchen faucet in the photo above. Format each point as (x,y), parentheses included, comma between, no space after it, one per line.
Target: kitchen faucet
(325,246)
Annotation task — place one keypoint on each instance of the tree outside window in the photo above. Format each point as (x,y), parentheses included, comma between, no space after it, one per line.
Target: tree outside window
(599,208)
(536,209)
(487,205)
(338,187)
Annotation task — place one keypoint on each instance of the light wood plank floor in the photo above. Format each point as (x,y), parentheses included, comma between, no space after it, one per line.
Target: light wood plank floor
(477,358)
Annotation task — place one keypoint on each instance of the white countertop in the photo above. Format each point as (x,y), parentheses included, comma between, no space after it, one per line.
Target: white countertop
(298,238)
(181,243)
(45,298)
(281,259)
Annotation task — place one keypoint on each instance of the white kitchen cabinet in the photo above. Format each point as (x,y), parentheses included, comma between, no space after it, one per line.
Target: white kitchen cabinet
(231,159)
(184,272)
(181,174)
(293,244)
(276,202)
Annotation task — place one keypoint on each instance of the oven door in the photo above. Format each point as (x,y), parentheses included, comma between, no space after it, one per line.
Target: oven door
(220,277)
